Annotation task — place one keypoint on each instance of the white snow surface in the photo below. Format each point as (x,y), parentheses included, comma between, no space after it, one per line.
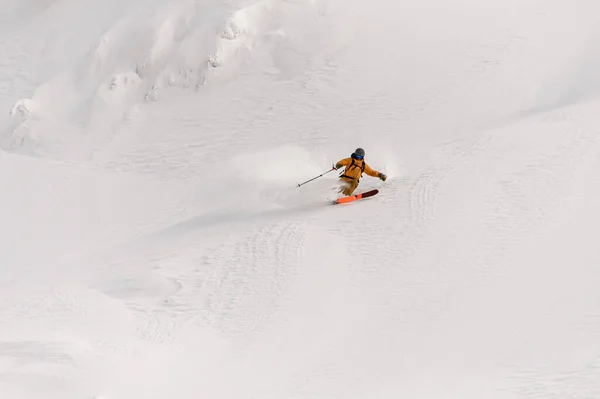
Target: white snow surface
(154,243)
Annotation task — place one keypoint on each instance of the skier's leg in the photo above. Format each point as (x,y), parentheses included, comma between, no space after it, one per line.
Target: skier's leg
(343,185)
(352,185)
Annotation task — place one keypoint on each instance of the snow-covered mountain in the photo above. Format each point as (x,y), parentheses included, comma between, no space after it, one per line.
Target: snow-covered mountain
(154,243)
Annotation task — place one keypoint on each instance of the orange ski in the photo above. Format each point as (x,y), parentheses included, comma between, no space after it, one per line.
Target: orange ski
(350,198)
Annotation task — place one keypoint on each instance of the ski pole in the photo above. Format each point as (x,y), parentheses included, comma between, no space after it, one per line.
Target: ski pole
(330,170)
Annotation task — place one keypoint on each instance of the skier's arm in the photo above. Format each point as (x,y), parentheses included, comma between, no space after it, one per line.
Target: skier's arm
(343,162)
(372,172)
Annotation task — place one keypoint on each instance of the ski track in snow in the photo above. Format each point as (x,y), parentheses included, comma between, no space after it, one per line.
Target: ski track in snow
(168,253)
(250,277)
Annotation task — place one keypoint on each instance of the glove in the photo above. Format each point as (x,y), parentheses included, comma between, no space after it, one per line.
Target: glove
(382,176)
(337,166)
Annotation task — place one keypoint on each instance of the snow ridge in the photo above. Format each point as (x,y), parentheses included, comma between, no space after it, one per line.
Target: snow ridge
(177,45)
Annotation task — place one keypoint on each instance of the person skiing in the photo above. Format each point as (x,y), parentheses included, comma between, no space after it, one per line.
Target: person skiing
(355,166)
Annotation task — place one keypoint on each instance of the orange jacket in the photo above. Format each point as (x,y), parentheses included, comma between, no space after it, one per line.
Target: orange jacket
(353,168)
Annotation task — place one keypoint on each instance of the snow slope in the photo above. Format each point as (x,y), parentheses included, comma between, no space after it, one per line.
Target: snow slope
(154,243)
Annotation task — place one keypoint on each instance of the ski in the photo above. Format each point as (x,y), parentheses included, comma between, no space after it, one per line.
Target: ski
(351,198)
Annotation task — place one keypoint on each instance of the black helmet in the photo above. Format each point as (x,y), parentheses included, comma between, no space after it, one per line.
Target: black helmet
(359,153)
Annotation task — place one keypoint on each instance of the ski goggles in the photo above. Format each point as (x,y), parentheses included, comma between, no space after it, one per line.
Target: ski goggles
(358,156)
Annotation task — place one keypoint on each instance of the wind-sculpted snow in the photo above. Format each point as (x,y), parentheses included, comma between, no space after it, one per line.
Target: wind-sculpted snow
(138,53)
(154,242)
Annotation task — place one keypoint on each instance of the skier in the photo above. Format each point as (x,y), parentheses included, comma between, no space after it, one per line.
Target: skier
(355,166)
